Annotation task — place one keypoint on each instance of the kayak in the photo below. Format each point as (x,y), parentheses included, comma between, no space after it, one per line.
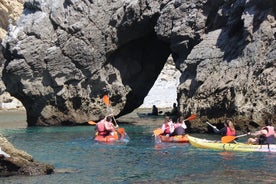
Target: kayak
(217,145)
(109,138)
(176,138)
(120,134)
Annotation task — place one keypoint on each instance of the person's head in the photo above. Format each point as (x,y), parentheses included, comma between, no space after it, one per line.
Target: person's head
(108,119)
(180,119)
(102,116)
(167,119)
(229,124)
(268,122)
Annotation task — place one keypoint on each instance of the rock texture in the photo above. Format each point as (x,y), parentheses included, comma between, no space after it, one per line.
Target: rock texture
(10,10)
(63,56)
(17,162)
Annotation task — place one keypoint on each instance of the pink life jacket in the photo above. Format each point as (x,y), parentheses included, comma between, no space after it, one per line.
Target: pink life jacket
(101,128)
(270,131)
(229,132)
(267,138)
(167,128)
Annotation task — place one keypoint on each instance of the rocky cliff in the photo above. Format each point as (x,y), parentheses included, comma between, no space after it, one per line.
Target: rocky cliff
(63,56)
(10,10)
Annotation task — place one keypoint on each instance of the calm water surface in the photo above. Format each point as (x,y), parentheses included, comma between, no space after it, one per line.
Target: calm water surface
(78,159)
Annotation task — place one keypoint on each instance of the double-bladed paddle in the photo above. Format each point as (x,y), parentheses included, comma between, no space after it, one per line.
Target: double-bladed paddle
(107,103)
(92,123)
(230,138)
(212,126)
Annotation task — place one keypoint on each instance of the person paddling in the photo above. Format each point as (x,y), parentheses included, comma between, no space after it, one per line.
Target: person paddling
(168,126)
(265,136)
(179,127)
(227,130)
(105,127)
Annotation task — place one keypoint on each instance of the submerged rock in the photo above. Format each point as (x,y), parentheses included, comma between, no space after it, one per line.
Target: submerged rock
(18,162)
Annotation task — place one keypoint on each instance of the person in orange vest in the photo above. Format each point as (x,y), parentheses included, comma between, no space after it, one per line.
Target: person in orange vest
(227,130)
(265,136)
(105,127)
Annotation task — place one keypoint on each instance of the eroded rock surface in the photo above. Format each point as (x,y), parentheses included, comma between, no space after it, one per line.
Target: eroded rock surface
(63,56)
(18,162)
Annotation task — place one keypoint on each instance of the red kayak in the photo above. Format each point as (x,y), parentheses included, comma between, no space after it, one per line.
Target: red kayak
(119,135)
(109,138)
(176,138)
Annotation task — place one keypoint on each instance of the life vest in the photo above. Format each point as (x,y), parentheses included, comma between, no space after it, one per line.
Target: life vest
(101,128)
(176,125)
(229,132)
(270,134)
(167,128)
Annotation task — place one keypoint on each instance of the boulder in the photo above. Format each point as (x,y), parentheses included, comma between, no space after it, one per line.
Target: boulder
(18,162)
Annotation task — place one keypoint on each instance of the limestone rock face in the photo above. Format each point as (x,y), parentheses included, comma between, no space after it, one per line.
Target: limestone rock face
(10,10)
(63,56)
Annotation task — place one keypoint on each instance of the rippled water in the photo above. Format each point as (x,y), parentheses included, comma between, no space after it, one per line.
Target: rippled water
(78,159)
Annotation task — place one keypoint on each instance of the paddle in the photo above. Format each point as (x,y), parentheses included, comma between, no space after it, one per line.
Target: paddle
(229,138)
(192,117)
(92,123)
(212,126)
(107,103)
(159,131)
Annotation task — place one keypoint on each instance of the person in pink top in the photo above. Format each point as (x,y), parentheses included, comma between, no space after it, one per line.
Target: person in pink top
(168,126)
(265,136)
(105,127)
(179,127)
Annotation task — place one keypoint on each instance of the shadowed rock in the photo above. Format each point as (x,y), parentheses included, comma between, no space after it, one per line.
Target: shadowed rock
(63,56)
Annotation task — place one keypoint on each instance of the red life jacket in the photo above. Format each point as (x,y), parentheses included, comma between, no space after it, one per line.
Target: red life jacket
(229,132)
(101,128)
(167,128)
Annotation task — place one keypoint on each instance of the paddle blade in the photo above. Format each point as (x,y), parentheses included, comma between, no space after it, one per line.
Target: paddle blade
(92,123)
(192,117)
(158,131)
(121,131)
(106,100)
(226,139)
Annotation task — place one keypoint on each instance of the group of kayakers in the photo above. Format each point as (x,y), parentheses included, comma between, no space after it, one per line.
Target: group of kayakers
(171,128)
(264,136)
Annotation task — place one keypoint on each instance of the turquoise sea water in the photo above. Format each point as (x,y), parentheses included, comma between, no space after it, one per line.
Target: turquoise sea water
(78,159)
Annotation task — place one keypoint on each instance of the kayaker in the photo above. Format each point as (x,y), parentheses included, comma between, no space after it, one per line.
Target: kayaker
(264,136)
(228,129)
(168,126)
(154,111)
(179,127)
(105,127)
